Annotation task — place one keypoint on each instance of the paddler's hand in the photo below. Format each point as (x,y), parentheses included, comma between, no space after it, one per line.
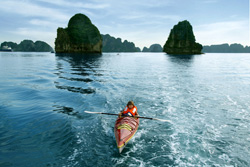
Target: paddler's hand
(120,114)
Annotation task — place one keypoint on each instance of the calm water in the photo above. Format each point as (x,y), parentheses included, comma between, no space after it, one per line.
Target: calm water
(43,98)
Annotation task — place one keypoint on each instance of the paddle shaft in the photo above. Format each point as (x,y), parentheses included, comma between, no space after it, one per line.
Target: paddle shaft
(125,116)
(163,120)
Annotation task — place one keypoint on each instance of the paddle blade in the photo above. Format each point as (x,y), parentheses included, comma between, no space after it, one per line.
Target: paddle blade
(90,112)
(162,120)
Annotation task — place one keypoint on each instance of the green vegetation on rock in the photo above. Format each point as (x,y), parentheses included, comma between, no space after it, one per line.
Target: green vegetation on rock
(182,40)
(153,48)
(226,48)
(26,46)
(111,44)
(29,46)
(81,36)
(41,46)
(9,44)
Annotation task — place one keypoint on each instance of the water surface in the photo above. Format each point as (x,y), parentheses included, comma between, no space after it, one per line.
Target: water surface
(43,98)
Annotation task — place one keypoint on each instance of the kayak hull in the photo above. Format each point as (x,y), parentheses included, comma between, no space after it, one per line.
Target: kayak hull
(125,128)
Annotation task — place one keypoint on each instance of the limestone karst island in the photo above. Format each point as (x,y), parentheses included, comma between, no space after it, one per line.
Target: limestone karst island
(182,40)
(81,36)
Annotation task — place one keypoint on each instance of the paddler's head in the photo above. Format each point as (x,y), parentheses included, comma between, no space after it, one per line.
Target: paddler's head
(130,104)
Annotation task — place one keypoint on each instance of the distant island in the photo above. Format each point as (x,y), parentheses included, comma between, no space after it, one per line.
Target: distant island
(153,48)
(226,48)
(181,40)
(112,44)
(28,46)
(81,36)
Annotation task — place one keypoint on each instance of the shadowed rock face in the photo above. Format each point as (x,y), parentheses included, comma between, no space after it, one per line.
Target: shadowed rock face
(81,36)
(182,40)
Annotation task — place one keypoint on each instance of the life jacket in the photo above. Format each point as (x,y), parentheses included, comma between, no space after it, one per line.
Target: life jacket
(130,112)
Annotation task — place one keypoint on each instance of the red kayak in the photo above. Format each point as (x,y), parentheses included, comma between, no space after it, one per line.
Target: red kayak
(125,128)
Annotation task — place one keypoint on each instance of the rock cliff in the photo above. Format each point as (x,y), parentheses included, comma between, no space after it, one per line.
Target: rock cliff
(182,40)
(81,36)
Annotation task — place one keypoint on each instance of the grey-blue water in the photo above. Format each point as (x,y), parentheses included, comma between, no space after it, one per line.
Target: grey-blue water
(43,98)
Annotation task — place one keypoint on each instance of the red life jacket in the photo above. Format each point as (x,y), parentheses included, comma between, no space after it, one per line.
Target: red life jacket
(132,111)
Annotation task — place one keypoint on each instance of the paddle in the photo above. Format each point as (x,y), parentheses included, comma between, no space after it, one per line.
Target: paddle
(163,120)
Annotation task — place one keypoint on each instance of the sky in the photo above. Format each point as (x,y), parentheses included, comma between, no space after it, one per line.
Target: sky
(144,22)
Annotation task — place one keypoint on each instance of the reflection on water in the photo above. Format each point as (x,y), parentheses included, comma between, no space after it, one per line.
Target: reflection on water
(181,58)
(65,110)
(83,68)
(80,60)
(75,89)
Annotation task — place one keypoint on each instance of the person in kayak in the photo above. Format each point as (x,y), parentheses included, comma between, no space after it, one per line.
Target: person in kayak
(129,110)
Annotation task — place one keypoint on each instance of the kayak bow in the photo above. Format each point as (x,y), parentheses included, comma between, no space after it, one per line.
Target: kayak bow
(125,128)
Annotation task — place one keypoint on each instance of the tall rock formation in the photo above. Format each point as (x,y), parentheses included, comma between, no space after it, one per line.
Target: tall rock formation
(182,40)
(81,36)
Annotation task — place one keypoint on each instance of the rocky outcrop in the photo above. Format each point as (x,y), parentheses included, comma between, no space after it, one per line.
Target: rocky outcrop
(182,40)
(226,48)
(81,36)
(26,46)
(41,46)
(153,48)
(13,45)
(112,44)
(29,46)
